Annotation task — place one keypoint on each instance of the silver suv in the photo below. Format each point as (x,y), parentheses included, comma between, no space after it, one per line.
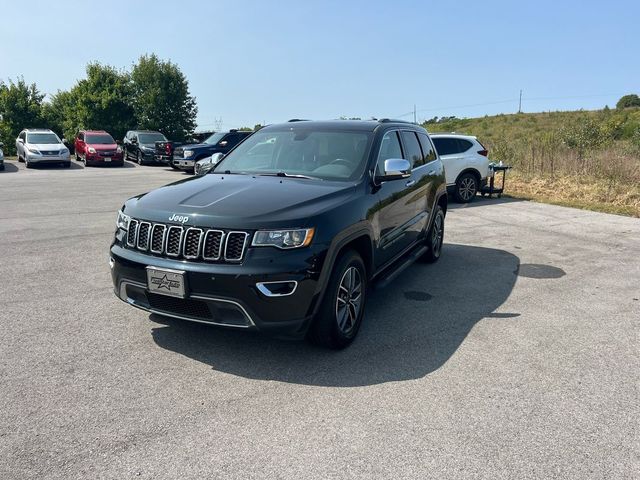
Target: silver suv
(40,146)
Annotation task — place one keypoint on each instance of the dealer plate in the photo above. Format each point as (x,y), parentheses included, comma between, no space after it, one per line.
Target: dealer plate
(166,282)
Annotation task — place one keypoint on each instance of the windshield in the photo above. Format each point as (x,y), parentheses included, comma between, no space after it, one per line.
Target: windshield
(151,137)
(215,138)
(99,139)
(323,154)
(43,138)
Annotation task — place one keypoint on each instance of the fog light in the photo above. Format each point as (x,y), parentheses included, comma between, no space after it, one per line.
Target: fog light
(277,289)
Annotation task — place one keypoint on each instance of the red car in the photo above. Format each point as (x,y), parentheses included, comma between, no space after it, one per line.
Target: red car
(97,147)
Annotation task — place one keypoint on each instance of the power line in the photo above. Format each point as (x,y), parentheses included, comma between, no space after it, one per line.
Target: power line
(519,100)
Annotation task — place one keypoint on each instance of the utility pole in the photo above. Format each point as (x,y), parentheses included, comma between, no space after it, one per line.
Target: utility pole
(520,103)
(414,113)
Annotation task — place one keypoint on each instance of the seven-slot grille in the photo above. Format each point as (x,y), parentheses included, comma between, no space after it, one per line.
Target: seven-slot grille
(190,243)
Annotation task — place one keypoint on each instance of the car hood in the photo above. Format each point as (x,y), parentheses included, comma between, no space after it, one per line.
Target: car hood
(241,201)
(195,146)
(46,146)
(103,146)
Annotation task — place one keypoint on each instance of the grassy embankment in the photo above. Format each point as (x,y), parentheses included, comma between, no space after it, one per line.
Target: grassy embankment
(583,159)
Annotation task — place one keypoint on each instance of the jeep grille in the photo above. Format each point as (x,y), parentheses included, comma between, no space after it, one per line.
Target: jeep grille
(190,243)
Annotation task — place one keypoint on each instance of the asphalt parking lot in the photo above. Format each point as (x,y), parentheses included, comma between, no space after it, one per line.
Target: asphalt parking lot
(516,356)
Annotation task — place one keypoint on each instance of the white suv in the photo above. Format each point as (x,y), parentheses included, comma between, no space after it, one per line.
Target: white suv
(465,162)
(39,146)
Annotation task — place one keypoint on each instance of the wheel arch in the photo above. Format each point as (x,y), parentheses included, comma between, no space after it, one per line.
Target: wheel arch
(472,171)
(358,238)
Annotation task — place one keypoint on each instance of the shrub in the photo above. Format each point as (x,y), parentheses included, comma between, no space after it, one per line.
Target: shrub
(627,101)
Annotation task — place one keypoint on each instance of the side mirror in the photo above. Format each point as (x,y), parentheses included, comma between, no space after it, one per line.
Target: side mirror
(223,143)
(64,140)
(1,144)
(20,140)
(394,169)
(118,142)
(216,157)
(134,140)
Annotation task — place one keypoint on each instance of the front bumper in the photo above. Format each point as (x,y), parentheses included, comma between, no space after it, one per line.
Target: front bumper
(42,159)
(229,295)
(184,164)
(98,158)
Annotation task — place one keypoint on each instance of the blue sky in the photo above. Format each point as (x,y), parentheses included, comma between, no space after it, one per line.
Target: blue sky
(267,61)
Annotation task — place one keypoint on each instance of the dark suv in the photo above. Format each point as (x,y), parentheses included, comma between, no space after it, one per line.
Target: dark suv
(185,156)
(288,230)
(140,146)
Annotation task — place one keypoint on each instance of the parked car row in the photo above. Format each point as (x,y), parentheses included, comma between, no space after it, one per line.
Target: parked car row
(465,159)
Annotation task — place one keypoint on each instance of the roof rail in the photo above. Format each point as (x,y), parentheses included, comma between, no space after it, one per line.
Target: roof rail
(298,120)
(393,120)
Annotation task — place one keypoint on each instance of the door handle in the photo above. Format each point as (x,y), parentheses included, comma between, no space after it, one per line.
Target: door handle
(431,172)
(410,183)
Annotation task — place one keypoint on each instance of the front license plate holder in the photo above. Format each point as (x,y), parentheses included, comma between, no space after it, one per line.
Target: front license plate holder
(166,282)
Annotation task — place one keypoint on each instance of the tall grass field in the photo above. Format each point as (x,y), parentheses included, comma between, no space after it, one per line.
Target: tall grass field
(584,159)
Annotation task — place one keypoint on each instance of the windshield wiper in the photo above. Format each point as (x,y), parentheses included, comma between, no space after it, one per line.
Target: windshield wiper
(287,175)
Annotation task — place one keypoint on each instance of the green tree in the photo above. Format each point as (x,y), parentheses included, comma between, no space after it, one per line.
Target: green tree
(627,101)
(56,111)
(161,99)
(583,136)
(102,101)
(20,107)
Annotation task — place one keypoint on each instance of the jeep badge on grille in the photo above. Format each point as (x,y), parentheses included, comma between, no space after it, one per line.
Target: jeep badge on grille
(179,218)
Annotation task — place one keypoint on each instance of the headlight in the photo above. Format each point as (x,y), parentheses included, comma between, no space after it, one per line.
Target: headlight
(122,221)
(64,151)
(33,150)
(283,238)
(188,153)
(92,150)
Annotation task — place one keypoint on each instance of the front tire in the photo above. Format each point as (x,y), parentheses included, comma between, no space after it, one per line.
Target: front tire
(140,158)
(340,316)
(435,237)
(466,187)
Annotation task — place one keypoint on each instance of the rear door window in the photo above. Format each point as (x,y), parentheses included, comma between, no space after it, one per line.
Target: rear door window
(446,146)
(412,148)
(428,152)
(463,145)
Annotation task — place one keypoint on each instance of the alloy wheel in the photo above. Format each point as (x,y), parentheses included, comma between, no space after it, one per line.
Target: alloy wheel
(349,300)
(467,188)
(437,234)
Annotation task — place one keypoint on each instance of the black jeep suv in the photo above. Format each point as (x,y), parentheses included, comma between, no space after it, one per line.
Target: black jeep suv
(288,230)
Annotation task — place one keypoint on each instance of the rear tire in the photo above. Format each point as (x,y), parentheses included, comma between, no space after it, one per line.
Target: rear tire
(340,315)
(435,237)
(466,187)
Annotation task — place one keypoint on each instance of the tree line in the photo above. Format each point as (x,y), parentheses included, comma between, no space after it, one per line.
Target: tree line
(153,95)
